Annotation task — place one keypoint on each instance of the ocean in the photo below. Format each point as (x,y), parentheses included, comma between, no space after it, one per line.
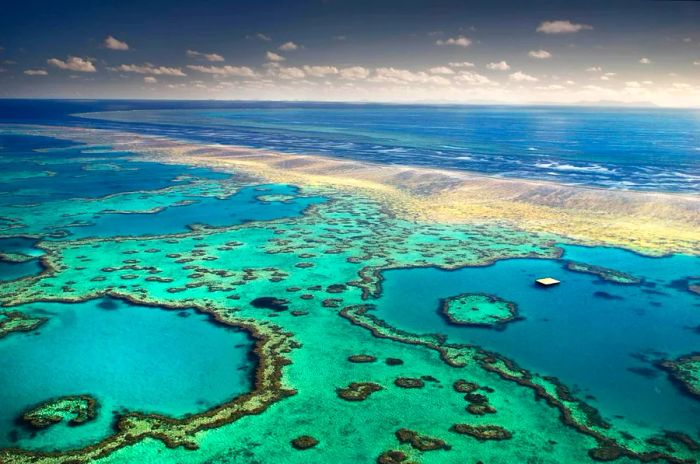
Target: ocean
(650,149)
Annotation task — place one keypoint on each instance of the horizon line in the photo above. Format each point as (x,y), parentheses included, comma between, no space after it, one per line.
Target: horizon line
(600,104)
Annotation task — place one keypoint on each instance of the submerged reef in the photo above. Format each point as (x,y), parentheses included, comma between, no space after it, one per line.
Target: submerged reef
(78,409)
(409,382)
(608,275)
(393,457)
(478,310)
(421,442)
(304,442)
(15,321)
(482,432)
(685,372)
(362,358)
(358,391)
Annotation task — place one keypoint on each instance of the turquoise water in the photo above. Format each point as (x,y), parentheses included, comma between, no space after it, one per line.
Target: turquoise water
(12,271)
(73,173)
(600,338)
(603,344)
(77,174)
(241,207)
(131,358)
(20,245)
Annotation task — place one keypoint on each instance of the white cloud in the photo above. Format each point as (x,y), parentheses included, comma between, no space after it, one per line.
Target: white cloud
(238,71)
(500,66)
(262,36)
(73,63)
(150,80)
(404,76)
(473,78)
(696,63)
(459,41)
(439,80)
(461,64)
(149,69)
(539,54)
(320,71)
(274,57)
(115,44)
(645,60)
(607,76)
(520,76)
(354,73)
(36,72)
(595,88)
(633,85)
(288,46)
(550,87)
(561,26)
(687,40)
(444,70)
(594,69)
(290,73)
(207,56)
(681,86)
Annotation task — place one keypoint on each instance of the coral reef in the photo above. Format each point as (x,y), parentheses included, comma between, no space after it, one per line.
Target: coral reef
(421,442)
(482,432)
(685,372)
(15,321)
(477,310)
(608,275)
(358,391)
(78,408)
(304,442)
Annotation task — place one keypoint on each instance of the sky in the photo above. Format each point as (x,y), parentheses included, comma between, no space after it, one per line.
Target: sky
(439,51)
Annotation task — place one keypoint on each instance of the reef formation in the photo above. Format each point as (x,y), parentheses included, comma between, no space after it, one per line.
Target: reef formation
(685,371)
(78,409)
(478,310)
(302,286)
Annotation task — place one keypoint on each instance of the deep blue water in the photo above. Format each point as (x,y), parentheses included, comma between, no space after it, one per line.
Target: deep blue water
(23,246)
(644,149)
(12,271)
(604,344)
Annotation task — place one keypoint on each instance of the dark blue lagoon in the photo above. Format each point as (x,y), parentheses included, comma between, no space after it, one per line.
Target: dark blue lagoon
(603,338)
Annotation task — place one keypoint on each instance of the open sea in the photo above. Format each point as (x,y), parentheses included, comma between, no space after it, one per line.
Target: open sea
(618,148)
